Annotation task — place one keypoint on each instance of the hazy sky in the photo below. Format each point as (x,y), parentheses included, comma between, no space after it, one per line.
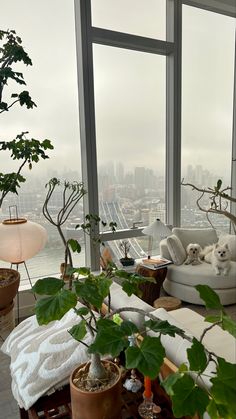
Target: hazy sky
(129,86)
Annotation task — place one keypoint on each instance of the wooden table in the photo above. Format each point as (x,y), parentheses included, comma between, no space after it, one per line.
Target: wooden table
(57,405)
(150,290)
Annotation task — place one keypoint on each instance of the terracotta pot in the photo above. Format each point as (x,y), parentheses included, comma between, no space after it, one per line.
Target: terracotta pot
(9,284)
(103,404)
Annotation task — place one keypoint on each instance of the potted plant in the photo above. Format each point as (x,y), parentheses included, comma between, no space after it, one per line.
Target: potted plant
(110,337)
(125,248)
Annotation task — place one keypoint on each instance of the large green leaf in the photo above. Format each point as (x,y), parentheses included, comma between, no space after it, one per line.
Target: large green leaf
(110,339)
(209,296)
(88,291)
(164,327)
(54,307)
(229,325)
(224,386)
(197,356)
(104,286)
(128,328)
(130,288)
(188,398)
(213,410)
(48,286)
(147,358)
(78,331)
(169,382)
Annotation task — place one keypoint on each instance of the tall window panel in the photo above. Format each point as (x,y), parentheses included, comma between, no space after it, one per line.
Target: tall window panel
(130,130)
(208,42)
(49,39)
(137,17)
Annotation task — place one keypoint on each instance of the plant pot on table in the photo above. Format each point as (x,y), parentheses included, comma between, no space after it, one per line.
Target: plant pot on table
(127,261)
(100,404)
(9,284)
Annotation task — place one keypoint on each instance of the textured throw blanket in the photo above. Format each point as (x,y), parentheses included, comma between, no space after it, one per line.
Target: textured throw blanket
(42,357)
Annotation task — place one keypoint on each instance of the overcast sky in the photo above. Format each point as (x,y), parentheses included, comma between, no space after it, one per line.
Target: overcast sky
(129,86)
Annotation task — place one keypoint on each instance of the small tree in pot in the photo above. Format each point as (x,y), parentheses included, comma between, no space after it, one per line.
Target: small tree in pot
(125,248)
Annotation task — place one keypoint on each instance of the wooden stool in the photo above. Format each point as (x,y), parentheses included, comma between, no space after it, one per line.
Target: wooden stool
(168,303)
(151,291)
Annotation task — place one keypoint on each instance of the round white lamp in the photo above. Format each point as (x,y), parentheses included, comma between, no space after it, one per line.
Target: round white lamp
(20,240)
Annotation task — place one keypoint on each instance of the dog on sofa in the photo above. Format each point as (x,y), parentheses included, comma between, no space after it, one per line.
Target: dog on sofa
(193,254)
(219,256)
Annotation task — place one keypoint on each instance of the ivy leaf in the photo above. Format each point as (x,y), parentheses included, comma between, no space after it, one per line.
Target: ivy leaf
(164,327)
(213,411)
(147,358)
(128,328)
(78,331)
(188,398)
(130,288)
(209,296)
(197,356)
(48,286)
(229,325)
(54,307)
(224,386)
(82,311)
(88,291)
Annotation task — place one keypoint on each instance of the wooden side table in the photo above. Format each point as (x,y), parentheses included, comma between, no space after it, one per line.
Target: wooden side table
(150,290)
(168,303)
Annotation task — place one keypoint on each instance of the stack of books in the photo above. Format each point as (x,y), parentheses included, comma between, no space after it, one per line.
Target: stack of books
(155,263)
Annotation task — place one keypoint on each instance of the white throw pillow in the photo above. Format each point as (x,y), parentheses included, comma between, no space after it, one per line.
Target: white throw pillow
(176,250)
(202,236)
(42,356)
(230,240)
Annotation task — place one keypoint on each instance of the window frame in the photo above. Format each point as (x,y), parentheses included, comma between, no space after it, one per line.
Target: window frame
(86,36)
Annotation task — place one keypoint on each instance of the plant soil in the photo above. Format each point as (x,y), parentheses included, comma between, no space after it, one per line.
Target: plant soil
(7,279)
(84,383)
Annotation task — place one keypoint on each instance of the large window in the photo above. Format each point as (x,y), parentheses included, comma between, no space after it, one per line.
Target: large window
(49,39)
(208,45)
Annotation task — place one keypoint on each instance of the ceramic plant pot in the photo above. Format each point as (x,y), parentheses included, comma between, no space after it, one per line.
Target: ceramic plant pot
(9,284)
(127,261)
(101,404)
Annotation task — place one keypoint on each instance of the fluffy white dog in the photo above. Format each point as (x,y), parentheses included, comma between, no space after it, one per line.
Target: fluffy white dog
(219,256)
(193,252)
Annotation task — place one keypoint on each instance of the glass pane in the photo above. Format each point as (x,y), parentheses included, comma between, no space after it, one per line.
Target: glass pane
(130,129)
(52,83)
(136,17)
(207,115)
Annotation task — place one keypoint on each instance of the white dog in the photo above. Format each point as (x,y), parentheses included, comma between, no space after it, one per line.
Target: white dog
(219,256)
(193,252)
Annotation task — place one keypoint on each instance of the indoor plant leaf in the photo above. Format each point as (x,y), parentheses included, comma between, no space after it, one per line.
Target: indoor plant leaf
(48,286)
(197,356)
(88,291)
(164,327)
(229,324)
(188,398)
(110,339)
(147,358)
(54,307)
(224,386)
(209,296)
(78,331)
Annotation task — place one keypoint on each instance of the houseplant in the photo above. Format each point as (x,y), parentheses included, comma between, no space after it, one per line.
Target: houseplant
(125,248)
(112,338)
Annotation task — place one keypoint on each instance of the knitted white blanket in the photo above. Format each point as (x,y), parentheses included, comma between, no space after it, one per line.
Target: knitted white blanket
(42,357)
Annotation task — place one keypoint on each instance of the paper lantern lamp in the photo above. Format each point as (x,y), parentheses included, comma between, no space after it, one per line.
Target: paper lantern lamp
(20,240)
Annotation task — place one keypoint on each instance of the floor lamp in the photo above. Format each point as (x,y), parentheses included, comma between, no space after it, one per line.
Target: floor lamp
(20,240)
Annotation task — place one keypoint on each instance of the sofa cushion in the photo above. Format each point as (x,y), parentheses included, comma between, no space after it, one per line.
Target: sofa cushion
(202,236)
(202,274)
(176,250)
(42,357)
(230,240)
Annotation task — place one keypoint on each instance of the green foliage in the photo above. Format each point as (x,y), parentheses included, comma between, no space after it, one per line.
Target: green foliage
(110,337)
(12,52)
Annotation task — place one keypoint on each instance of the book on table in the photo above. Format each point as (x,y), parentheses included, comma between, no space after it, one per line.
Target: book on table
(155,263)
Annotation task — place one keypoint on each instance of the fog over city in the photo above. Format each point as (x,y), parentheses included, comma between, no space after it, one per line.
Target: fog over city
(129,86)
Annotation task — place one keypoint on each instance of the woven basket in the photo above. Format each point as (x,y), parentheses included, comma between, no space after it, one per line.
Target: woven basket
(7,320)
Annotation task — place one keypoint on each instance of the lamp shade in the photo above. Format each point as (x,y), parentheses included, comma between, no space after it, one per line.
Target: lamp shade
(157,230)
(20,239)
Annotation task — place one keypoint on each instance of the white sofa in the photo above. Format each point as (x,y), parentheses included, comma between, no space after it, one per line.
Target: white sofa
(181,278)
